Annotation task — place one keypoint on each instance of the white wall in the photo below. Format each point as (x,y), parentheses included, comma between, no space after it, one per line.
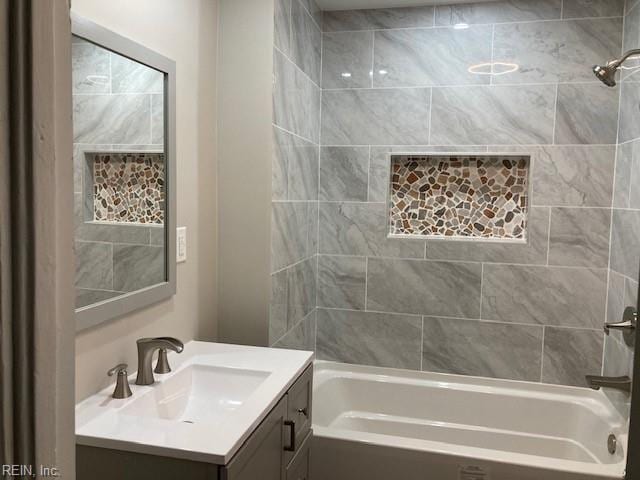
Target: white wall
(185,31)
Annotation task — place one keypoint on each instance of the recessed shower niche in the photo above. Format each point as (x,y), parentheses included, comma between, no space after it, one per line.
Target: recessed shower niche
(479,196)
(125,187)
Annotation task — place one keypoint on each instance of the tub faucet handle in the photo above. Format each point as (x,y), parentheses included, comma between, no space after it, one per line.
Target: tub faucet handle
(629,321)
(122,389)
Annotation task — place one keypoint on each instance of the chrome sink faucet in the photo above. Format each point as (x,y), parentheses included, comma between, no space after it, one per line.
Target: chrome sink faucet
(146,347)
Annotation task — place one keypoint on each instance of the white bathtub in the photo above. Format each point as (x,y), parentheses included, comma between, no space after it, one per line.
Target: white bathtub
(377,423)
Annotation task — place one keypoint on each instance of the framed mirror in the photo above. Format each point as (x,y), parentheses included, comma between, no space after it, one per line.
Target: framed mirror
(124,174)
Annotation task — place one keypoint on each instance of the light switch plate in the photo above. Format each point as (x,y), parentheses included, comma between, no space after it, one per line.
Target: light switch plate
(181,244)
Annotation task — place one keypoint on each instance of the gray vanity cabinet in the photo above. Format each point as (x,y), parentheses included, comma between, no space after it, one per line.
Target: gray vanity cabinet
(278,449)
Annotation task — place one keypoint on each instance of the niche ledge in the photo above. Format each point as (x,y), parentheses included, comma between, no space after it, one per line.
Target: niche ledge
(459,196)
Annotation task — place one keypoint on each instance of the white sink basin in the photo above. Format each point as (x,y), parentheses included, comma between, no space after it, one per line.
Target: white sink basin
(198,393)
(203,410)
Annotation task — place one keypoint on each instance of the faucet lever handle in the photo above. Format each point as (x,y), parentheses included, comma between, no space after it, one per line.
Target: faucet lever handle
(122,389)
(121,367)
(629,321)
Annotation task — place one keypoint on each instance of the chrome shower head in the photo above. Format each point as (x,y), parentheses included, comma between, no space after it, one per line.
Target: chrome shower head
(607,73)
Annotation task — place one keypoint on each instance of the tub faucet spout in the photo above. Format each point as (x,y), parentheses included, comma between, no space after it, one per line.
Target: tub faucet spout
(622,383)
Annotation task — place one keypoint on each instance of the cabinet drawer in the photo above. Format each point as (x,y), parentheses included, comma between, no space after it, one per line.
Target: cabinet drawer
(299,407)
(299,467)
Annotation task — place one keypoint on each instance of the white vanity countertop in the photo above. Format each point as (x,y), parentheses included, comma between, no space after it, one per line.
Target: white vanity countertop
(170,418)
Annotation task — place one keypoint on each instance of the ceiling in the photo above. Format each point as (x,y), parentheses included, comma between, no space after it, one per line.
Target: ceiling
(359,4)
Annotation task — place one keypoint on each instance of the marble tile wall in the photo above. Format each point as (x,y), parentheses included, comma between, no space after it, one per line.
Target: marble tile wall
(117,106)
(624,257)
(296,171)
(399,80)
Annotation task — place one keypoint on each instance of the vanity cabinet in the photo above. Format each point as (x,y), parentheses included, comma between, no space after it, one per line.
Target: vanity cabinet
(278,449)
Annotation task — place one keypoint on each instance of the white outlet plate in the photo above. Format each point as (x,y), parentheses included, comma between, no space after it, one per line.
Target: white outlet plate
(181,244)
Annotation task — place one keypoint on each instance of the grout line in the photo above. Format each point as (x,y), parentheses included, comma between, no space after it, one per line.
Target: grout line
(562,10)
(373,55)
(465,85)
(430,151)
(275,47)
(294,134)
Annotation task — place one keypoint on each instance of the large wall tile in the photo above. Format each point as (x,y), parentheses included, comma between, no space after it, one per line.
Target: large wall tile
(432,56)
(94,265)
(493,115)
(296,100)
(282,26)
(556,51)
(615,297)
(573,297)
(289,233)
(306,41)
(377,19)
(136,267)
(344,173)
(499,11)
(592,8)
(533,251)
(375,117)
(573,176)
(634,176)
(129,76)
(295,167)
(470,347)
(579,237)
(624,161)
(278,307)
(347,59)
(361,229)
(369,338)
(570,354)
(302,336)
(424,287)
(625,243)
(631,40)
(301,290)
(629,106)
(586,114)
(90,69)
(157,120)
(341,282)
(113,233)
(112,119)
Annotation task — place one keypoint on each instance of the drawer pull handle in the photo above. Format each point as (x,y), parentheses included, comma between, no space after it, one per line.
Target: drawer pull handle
(292,436)
(303,411)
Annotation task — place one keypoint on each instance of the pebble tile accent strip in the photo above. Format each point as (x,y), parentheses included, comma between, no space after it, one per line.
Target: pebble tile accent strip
(459,196)
(128,187)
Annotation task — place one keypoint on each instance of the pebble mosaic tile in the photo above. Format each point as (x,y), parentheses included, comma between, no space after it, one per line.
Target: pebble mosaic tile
(480,196)
(129,187)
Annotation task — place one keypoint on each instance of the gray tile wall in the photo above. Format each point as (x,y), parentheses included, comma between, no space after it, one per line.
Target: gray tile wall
(117,105)
(296,173)
(624,257)
(398,80)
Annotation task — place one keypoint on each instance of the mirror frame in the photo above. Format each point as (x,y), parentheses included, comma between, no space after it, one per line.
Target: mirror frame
(100,312)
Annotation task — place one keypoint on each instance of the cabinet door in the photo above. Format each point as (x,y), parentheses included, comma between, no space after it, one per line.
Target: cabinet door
(262,456)
(299,408)
(299,467)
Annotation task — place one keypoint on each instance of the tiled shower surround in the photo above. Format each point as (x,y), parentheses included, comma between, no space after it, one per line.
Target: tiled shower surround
(479,196)
(399,80)
(117,106)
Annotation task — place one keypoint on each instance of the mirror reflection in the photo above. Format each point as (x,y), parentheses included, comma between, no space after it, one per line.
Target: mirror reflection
(119,174)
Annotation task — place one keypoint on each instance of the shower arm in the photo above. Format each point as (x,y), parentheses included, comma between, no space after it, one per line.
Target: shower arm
(618,62)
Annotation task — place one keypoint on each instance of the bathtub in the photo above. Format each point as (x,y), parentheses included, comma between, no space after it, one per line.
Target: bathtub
(378,423)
